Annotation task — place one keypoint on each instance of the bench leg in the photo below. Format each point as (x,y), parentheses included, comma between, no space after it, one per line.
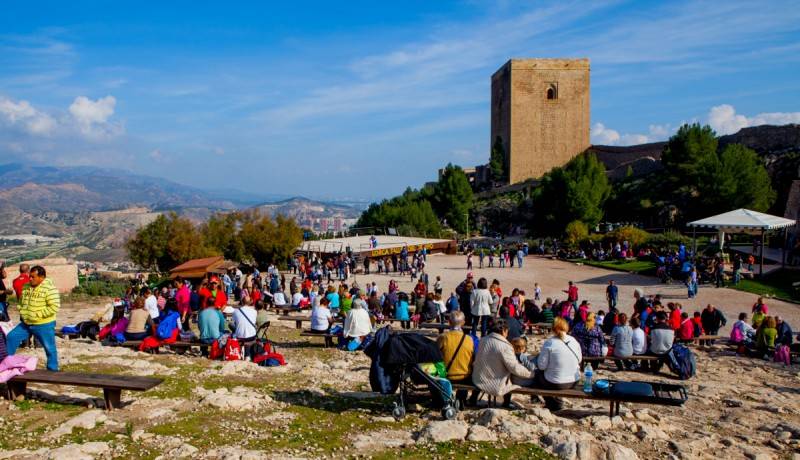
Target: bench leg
(298,324)
(613,409)
(112,398)
(15,389)
(328,342)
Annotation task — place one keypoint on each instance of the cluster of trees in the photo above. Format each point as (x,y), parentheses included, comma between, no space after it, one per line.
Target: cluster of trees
(698,179)
(421,212)
(248,236)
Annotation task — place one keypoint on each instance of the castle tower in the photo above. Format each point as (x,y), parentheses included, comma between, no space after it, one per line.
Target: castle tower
(540,111)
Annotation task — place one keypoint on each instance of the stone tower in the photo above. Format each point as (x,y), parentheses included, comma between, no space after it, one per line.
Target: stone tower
(540,111)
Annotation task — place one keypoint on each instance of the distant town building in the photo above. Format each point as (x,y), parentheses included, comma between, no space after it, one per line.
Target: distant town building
(540,113)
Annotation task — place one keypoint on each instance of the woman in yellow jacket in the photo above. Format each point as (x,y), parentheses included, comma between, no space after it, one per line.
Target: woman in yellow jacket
(38,307)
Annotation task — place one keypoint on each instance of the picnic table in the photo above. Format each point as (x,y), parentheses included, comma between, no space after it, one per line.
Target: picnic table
(112,385)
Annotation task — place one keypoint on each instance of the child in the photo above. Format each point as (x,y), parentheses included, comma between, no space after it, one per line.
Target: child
(520,345)
(537,292)
(601,316)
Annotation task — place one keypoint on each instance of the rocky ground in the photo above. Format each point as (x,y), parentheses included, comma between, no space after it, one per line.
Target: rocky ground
(319,406)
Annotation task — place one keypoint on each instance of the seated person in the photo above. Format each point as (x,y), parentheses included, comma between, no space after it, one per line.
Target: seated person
(622,339)
(262,317)
(211,323)
(686,330)
(765,336)
(742,331)
(559,363)
(520,345)
(298,300)
(458,349)
(430,310)
(244,322)
(278,299)
(321,317)
(661,338)
(140,324)
(515,328)
(784,336)
(357,324)
(590,337)
(495,363)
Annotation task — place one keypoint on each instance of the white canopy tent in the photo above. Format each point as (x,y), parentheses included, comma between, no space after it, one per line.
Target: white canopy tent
(745,221)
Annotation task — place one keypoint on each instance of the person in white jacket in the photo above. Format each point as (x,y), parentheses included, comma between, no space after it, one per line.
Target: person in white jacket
(357,324)
(480,306)
(559,363)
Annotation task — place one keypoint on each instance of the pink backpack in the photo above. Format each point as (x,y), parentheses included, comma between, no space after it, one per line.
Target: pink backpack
(782,355)
(736,335)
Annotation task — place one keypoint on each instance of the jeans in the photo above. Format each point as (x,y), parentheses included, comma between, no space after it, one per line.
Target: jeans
(484,320)
(44,333)
(519,262)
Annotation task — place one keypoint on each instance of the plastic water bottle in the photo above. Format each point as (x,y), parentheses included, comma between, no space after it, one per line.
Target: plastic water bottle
(587,379)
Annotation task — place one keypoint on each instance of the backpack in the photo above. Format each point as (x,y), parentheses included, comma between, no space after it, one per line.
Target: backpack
(88,329)
(681,361)
(736,335)
(168,325)
(782,355)
(215,351)
(233,351)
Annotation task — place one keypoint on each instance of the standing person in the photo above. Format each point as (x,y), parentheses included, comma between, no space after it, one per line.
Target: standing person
(21,280)
(481,255)
(737,269)
(692,282)
(520,255)
(480,307)
(150,303)
(611,294)
(464,292)
(183,297)
(469,260)
(719,272)
(38,307)
(572,294)
(5,291)
(712,320)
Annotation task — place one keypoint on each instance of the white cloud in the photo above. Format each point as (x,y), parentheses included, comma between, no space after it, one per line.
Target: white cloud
(603,136)
(88,112)
(219,151)
(156,155)
(24,114)
(724,119)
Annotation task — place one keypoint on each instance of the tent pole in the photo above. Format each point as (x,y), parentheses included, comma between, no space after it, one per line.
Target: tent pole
(694,245)
(761,265)
(783,251)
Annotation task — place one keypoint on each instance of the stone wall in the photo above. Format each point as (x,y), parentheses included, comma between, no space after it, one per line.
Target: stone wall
(540,133)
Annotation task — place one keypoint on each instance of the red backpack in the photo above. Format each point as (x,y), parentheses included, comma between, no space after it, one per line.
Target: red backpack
(233,351)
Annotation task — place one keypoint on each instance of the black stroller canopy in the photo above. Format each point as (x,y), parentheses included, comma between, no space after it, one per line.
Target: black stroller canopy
(411,349)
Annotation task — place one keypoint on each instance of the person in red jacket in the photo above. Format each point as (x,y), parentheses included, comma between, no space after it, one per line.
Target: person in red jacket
(212,290)
(698,324)
(686,330)
(674,316)
(21,280)
(183,297)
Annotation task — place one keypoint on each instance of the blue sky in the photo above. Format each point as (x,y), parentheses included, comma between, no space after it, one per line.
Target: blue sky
(362,99)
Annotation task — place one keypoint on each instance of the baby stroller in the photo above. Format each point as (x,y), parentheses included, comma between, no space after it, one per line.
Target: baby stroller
(396,360)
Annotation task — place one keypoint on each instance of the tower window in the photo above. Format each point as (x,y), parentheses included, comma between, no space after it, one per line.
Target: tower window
(552,91)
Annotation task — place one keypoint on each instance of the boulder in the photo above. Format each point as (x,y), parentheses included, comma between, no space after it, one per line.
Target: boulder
(86,451)
(445,430)
(86,420)
(481,433)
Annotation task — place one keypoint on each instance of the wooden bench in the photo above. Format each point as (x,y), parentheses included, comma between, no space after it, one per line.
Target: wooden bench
(328,337)
(112,385)
(573,393)
(596,359)
(286,309)
(698,339)
(441,327)
(180,347)
(299,320)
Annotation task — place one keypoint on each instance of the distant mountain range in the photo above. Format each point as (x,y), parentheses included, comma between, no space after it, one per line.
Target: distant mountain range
(99,208)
